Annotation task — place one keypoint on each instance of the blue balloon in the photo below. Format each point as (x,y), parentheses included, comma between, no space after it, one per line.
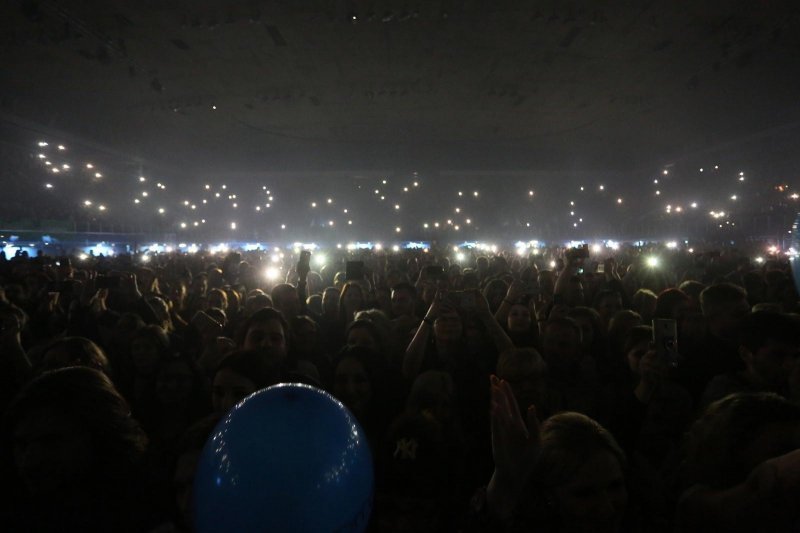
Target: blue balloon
(287,458)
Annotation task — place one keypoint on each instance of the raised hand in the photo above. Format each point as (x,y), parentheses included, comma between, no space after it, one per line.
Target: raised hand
(515,441)
(515,448)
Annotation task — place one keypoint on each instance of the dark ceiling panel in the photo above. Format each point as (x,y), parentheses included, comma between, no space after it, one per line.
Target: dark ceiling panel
(247,85)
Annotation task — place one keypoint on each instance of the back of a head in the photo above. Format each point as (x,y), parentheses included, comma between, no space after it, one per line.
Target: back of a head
(642,295)
(258,301)
(718,442)
(252,365)
(623,320)
(666,302)
(74,351)
(405,286)
(759,328)
(520,361)
(87,397)
(636,336)
(569,440)
(280,291)
(717,299)
(692,288)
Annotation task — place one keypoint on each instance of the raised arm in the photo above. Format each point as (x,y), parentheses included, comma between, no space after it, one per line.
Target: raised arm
(415,353)
(499,336)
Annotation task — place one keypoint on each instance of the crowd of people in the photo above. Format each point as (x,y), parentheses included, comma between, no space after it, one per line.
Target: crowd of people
(498,393)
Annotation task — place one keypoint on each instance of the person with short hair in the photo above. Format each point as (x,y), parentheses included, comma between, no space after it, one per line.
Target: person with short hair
(769,347)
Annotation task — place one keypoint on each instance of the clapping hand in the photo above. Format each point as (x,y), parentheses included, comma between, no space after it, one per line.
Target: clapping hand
(515,448)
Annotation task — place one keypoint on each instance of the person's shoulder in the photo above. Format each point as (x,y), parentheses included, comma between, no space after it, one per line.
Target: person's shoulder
(723,385)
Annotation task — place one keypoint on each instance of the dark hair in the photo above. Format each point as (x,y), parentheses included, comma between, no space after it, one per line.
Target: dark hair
(88,397)
(568,441)
(761,327)
(716,296)
(81,352)
(715,442)
(666,302)
(250,364)
(280,290)
(156,334)
(405,286)
(259,317)
(636,336)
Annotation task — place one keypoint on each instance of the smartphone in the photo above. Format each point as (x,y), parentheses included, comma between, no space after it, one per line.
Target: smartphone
(665,340)
(107,282)
(601,268)
(354,271)
(304,263)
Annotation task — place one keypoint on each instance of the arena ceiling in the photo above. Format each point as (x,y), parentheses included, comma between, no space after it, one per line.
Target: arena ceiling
(249,86)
